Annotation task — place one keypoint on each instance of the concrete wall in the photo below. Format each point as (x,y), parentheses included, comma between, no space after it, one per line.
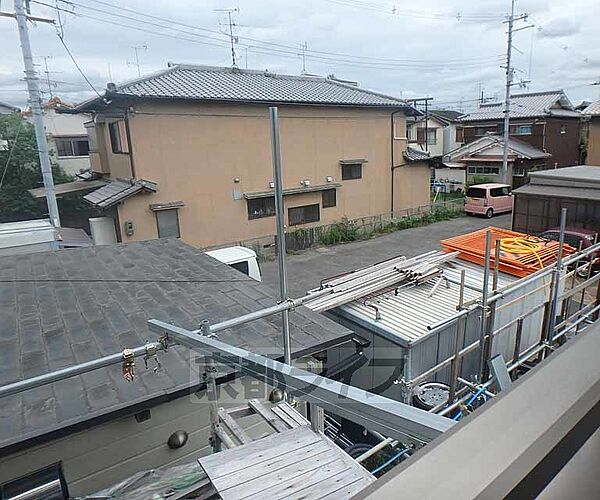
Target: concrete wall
(103,455)
(411,186)
(455,177)
(195,151)
(593,148)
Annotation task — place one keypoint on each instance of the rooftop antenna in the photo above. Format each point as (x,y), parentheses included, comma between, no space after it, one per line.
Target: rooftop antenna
(136,63)
(47,72)
(304,47)
(233,39)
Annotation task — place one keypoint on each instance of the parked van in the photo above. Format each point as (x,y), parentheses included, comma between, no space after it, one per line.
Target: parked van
(488,199)
(241,258)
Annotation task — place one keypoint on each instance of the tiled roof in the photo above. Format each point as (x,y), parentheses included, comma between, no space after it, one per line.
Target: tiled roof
(536,104)
(516,147)
(412,154)
(592,109)
(209,83)
(447,114)
(117,191)
(70,306)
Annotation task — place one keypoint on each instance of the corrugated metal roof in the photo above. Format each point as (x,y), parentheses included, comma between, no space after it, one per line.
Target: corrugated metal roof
(559,192)
(118,191)
(592,109)
(527,106)
(209,83)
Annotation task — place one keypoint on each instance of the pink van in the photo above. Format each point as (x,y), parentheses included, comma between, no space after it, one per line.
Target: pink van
(488,199)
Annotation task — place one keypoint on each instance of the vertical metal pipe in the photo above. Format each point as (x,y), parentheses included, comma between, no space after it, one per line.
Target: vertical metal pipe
(496,265)
(458,340)
(518,337)
(283,286)
(484,302)
(557,273)
(209,379)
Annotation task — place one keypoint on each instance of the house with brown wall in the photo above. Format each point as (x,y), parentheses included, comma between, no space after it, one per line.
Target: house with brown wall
(547,121)
(592,133)
(188,154)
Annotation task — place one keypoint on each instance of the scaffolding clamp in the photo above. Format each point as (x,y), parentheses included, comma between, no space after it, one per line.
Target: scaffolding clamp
(128,365)
(151,353)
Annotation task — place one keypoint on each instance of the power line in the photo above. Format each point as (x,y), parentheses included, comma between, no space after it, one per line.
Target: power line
(62,41)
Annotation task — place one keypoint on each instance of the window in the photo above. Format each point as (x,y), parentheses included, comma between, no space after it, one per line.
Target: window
(329,198)
(500,191)
(351,171)
(483,170)
(261,207)
(485,130)
(476,193)
(460,134)
(518,172)
(167,222)
(432,136)
(522,130)
(563,129)
(303,215)
(72,146)
(242,267)
(116,143)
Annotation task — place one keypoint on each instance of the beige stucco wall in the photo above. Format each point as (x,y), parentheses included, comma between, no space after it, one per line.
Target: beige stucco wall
(194,152)
(411,186)
(593,155)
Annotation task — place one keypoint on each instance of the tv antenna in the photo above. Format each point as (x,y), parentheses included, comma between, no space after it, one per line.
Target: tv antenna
(233,39)
(137,49)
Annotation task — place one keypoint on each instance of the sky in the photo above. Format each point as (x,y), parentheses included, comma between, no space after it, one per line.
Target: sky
(451,50)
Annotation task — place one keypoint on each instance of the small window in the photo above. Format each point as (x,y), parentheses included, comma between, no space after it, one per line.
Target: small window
(518,172)
(261,207)
(242,267)
(483,170)
(329,198)
(303,215)
(351,171)
(522,130)
(167,222)
(72,146)
(114,130)
(460,134)
(432,136)
(563,129)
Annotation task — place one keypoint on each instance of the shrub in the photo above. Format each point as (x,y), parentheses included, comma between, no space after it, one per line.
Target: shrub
(344,230)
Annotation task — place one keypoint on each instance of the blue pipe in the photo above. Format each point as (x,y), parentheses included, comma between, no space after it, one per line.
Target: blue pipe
(473,398)
(391,460)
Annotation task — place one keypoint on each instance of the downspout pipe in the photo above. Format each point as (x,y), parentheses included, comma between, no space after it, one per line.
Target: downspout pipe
(392,139)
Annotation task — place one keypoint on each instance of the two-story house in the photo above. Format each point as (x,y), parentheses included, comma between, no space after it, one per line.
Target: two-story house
(592,133)
(188,154)
(439,134)
(547,121)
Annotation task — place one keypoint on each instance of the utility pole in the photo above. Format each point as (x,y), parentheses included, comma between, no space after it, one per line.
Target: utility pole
(35,102)
(304,46)
(508,85)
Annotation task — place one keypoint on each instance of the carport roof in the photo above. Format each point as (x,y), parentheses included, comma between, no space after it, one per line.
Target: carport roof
(558,192)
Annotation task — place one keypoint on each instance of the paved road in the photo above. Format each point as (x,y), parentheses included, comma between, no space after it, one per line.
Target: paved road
(308,268)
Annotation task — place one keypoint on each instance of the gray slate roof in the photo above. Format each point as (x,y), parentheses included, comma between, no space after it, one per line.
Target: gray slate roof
(592,109)
(117,191)
(531,105)
(70,306)
(209,83)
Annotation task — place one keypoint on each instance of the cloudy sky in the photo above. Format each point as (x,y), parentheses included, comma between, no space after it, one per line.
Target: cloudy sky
(449,49)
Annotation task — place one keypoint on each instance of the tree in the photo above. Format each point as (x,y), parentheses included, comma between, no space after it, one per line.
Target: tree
(20,171)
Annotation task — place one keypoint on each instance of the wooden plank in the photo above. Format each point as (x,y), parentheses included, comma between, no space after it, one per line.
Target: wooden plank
(231,461)
(324,484)
(292,412)
(282,467)
(233,427)
(289,421)
(288,484)
(268,415)
(224,437)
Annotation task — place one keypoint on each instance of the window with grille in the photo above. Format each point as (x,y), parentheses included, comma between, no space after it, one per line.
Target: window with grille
(72,146)
(483,170)
(351,171)
(303,214)
(261,207)
(329,198)
(167,222)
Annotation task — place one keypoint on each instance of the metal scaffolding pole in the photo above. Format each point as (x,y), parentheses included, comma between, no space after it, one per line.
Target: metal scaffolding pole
(392,418)
(283,288)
